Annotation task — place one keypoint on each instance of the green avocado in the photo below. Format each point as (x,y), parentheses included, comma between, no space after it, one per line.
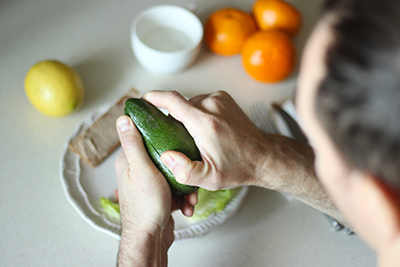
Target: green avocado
(162,133)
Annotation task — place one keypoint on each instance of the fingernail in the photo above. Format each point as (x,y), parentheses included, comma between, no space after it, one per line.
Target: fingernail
(169,162)
(124,125)
(145,96)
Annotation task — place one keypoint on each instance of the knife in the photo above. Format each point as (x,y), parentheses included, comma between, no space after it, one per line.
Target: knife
(294,127)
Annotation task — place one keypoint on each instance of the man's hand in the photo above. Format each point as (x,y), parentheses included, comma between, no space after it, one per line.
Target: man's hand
(231,146)
(235,152)
(145,201)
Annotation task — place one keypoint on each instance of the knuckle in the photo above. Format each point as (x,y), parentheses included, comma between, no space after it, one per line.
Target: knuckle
(216,101)
(174,95)
(225,98)
(221,93)
(211,102)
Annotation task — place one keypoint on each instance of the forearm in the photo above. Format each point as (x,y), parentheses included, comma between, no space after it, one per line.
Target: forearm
(290,169)
(142,249)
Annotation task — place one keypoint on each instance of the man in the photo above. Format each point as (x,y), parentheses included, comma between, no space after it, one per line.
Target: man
(349,103)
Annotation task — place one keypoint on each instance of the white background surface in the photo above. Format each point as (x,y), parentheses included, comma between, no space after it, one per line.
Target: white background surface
(38,226)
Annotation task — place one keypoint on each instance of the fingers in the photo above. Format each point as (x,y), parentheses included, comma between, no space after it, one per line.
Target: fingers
(185,171)
(180,202)
(187,210)
(188,205)
(215,103)
(192,199)
(177,105)
(197,99)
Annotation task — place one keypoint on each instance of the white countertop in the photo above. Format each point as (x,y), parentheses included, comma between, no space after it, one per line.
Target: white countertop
(39,227)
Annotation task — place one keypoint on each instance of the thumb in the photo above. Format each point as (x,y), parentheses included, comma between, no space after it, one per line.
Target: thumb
(185,171)
(131,141)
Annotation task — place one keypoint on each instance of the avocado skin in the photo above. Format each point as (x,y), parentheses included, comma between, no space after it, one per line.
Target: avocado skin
(162,133)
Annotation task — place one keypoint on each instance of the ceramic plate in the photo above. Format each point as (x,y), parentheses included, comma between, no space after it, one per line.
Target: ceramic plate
(84,186)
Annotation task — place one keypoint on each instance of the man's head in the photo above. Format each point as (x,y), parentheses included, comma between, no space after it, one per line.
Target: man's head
(349,103)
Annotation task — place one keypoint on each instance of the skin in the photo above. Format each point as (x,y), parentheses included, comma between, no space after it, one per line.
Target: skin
(272,161)
(372,207)
(215,121)
(275,162)
(145,201)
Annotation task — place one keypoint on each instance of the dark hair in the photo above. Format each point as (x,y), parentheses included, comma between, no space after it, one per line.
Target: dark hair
(358,101)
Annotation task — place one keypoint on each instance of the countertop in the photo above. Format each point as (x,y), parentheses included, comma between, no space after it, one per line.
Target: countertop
(39,227)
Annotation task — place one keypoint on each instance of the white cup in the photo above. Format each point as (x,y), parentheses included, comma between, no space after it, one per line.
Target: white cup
(166,39)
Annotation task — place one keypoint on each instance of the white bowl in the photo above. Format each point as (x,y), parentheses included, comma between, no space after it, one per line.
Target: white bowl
(166,39)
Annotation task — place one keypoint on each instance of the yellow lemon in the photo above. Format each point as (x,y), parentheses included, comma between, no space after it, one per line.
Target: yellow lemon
(54,88)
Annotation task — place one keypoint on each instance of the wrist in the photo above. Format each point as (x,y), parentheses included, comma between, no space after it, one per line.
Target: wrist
(282,158)
(288,166)
(139,247)
(257,153)
(264,161)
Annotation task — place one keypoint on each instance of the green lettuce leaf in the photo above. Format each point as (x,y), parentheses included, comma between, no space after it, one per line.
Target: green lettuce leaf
(110,208)
(211,202)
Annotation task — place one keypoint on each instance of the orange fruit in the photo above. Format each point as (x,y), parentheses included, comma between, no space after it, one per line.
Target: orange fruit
(277,15)
(269,56)
(227,29)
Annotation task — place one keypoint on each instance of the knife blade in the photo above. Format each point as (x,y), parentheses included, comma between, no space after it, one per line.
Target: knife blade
(294,127)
